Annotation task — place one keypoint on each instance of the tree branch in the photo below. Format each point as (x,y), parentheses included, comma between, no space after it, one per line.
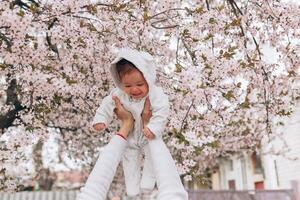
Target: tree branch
(5,39)
(8,118)
(235,8)
(192,54)
(166,11)
(163,27)
(185,117)
(207,4)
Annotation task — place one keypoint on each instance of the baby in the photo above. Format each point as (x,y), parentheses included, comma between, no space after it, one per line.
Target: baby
(134,75)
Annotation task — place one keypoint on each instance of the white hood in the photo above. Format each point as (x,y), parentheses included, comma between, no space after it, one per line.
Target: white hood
(142,60)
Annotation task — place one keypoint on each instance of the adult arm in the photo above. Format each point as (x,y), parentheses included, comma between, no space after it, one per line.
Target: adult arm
(160,111)
(168,180)
(99,180)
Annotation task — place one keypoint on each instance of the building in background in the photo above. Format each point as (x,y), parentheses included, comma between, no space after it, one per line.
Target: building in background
(276,166)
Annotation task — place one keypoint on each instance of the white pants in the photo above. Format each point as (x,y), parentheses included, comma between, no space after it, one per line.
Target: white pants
(132,171)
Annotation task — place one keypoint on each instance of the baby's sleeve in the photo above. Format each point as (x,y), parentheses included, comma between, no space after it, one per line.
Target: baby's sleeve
(160,111)
(104,114)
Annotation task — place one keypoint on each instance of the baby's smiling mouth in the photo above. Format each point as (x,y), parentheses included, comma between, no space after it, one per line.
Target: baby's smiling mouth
(136,95)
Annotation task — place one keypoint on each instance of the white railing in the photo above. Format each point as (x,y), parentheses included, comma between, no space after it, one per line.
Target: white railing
(193,195)
(40,195)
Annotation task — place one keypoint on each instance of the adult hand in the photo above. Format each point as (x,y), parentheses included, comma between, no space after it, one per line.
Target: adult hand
(146,115)
(125,116)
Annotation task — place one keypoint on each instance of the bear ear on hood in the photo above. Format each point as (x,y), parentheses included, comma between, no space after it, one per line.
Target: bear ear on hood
(146,56)
(150,63)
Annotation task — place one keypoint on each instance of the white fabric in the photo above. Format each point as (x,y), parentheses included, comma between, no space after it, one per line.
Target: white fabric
(160,111)
(168,180)
(98,182)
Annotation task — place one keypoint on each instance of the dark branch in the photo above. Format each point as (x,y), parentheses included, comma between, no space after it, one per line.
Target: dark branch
(166,11)
(64,128)
(52,47)
(6,40)
(8,118)
(20,4)
(191,53)
(207,4)
(235,8)
(186,115)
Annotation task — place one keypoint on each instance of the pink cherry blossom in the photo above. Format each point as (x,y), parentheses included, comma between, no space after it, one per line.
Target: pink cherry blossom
(55,56)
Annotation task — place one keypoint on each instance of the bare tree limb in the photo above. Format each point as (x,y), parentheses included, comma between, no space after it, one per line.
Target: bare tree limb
(7,119)
(186,115)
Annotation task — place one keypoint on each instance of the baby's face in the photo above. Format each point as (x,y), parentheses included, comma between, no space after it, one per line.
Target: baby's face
(134,84)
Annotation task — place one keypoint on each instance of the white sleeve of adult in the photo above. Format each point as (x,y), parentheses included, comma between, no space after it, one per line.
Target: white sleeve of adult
(160,111)
(168,180)
(99,180)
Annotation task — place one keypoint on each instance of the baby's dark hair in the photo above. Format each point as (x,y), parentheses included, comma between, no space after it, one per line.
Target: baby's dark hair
(124,66)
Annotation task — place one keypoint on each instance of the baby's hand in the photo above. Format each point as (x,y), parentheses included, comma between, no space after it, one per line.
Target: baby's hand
(99,126)
(148,134)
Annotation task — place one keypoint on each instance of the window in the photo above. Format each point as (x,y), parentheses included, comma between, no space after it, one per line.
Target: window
(256,163)
(231,184)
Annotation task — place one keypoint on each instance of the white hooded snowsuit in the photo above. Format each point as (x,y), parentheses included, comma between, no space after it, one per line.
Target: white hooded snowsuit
(137,141)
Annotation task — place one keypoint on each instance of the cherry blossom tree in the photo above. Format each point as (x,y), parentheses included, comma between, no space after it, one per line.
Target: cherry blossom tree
(210,57)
